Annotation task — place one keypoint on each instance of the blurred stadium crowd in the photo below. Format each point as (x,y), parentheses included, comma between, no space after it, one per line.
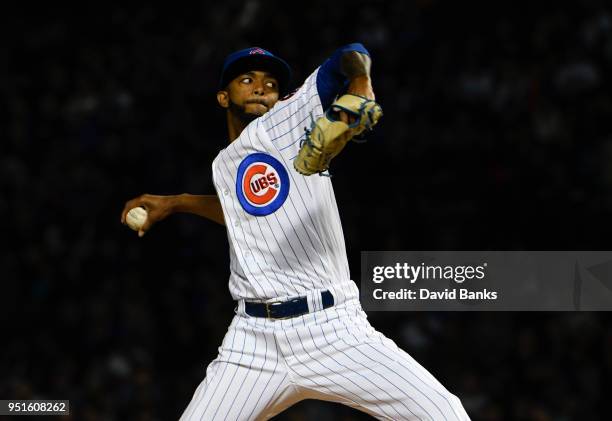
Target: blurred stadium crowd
(497,135)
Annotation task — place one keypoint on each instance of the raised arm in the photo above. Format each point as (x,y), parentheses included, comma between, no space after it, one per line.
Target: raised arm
(355,66)
(160,207)
(345,73)
(346,70)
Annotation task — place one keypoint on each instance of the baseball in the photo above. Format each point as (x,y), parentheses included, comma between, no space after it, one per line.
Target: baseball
(136,218)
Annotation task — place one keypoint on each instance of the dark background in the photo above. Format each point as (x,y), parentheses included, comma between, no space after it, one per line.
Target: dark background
(496,135)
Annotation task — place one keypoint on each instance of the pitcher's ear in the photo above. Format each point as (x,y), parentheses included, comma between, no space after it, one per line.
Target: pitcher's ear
(223,99)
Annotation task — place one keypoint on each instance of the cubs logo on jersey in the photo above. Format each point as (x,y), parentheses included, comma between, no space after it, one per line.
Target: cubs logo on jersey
(262,184)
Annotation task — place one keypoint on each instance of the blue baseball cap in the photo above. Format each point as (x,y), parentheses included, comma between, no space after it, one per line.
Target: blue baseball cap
(255,58)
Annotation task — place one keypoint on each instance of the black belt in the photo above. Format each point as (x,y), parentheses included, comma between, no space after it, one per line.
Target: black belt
(285,309)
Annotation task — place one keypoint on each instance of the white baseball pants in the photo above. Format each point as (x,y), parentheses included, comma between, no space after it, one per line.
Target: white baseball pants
(265,366)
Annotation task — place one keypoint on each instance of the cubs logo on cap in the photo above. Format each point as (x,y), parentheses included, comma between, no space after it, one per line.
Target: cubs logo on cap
(262,184)
(258,51)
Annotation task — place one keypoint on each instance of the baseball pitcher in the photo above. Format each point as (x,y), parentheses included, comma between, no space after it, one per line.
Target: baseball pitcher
(299,331)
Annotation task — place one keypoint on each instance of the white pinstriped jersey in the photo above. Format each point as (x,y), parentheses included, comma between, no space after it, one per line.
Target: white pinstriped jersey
(286,240)
(284,229)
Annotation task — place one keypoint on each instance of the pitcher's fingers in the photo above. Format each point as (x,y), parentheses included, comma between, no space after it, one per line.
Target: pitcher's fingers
(347,118)
(152,218)
(344,117)
(145,227)
(124,212)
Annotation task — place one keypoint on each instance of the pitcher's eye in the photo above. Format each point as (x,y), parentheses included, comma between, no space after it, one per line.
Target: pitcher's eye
(271,84)
(246,80)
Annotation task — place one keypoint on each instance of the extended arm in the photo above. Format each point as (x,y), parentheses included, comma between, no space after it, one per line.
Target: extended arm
(160,207)
(207,206)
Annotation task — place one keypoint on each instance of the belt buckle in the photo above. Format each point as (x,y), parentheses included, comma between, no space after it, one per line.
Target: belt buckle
(268,306)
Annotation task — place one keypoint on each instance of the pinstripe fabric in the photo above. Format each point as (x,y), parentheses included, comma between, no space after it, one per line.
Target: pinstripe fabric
(265,366)
(247,379)
(300,246)
(297,249)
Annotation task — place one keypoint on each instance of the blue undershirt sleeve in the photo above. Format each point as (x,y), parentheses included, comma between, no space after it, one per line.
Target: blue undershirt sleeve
(330,80)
